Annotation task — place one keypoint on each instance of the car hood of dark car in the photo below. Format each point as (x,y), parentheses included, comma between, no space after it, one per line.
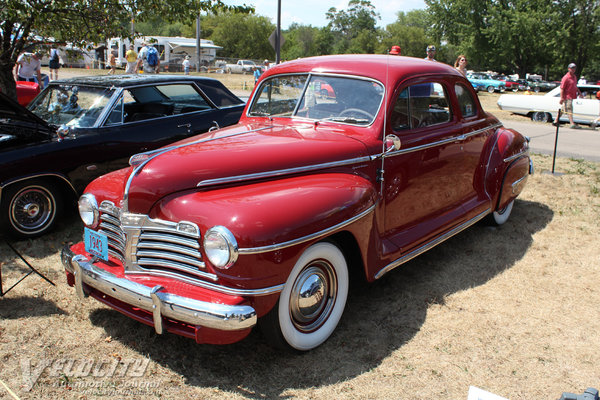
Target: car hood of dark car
(19,126)
(239,154)
(10,109)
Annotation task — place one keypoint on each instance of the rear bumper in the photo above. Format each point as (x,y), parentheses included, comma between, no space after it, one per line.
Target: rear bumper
(155,300)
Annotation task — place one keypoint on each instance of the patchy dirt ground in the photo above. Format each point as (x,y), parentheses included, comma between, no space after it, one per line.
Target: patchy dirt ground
(512,310)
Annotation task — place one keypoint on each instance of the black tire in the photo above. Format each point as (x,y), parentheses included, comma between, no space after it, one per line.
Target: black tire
(536,89)
(540,116)
(311,302)
(490,89)
(515,89)
(30,209)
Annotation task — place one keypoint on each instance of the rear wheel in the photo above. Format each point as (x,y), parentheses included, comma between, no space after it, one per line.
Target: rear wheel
(312,301)
(30,209)
(499,217)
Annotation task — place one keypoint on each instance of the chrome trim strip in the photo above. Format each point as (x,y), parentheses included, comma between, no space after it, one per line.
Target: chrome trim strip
(155,153)
(324,232)
(459,138)
(431,244)
(280,172)
(159,303)
(517,183)
(515,156)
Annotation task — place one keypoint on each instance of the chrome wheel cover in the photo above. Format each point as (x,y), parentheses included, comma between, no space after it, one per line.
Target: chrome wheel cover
(32,209)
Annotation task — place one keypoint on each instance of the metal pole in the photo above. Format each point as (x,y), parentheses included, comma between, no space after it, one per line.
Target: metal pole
(555,141)
(198,43)
(278,38)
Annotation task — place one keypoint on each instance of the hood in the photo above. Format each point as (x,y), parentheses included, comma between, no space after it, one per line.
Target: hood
(13,110)
(229,155)
(20,127)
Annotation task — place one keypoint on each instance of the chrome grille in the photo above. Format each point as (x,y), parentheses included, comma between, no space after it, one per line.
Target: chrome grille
(152,245)
(110,225)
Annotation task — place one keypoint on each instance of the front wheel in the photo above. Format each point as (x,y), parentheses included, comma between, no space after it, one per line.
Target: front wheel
(312,301)
(490,89)
(30,209)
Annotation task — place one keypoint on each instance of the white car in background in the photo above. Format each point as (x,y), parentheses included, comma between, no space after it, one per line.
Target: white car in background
(544,108)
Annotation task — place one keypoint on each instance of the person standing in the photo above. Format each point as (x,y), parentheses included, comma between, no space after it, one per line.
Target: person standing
(430,53)
(131,57)
(54,63)
(112,62)
(256,73)
(148,57)
(568,92)
(186,65)
(29,67)
(461,64)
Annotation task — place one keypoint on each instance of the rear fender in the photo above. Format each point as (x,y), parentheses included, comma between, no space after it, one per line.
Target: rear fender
(508,167)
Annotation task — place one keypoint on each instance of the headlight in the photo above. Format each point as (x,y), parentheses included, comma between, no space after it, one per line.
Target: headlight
(88,210)
(220,247)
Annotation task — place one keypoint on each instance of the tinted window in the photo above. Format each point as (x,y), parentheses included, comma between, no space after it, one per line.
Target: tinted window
(466,102)
(421,105)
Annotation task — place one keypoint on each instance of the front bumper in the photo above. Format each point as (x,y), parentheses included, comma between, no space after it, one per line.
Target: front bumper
(160,304)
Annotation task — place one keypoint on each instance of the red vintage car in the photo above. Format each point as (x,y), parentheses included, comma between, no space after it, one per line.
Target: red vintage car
(263,222)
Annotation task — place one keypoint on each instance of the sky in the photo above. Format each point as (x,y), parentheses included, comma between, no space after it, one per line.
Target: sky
(312,12)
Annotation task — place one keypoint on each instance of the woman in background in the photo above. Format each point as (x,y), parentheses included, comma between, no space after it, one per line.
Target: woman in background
(461,64)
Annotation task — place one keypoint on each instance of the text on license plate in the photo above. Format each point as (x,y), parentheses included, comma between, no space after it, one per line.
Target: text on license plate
(96,244)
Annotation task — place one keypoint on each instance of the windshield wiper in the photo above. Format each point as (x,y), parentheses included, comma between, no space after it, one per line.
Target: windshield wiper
(348,120)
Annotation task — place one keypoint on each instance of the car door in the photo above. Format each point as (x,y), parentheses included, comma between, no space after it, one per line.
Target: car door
(427,181)
(587,108)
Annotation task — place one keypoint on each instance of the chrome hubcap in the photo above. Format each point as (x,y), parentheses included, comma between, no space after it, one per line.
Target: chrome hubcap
(31,209)
(313,296)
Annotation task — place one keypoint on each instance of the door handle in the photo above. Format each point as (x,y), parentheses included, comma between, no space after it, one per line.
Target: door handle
(188,126)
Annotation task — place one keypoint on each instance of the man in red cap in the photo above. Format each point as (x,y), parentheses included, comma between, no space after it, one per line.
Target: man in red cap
(395,51)
(568,92)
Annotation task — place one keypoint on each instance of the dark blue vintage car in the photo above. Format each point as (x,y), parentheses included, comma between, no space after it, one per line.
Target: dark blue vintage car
(81,128)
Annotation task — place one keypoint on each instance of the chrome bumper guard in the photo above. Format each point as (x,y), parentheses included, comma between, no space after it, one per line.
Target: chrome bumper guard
(160,304)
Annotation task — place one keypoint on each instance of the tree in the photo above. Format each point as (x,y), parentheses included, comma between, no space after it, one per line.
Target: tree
(242,36)
(80,21)
(410,32)
(357,25)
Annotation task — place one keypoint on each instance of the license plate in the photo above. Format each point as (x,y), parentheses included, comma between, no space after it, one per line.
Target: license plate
(96,244)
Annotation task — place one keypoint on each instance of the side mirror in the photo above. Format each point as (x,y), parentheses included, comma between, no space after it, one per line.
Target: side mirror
(392,143)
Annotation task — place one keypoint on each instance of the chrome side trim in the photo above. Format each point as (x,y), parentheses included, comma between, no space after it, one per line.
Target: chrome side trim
(159,303)
(280,172)
(316,235)
(517,184)
(459,138)
(155,153)
(431,244)
(515,156)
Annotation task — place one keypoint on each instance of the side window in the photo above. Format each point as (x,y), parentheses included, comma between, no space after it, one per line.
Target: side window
(421,105)
(466,102)
(116,115)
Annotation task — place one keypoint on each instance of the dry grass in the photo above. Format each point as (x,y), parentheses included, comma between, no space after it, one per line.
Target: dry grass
(512,310)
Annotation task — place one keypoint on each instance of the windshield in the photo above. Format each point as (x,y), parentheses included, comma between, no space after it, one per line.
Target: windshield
(71,105)
(319,97)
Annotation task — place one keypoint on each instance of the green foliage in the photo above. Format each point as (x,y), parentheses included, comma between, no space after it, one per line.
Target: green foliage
(410,32)
(79,21)
(240,35)
(522,36)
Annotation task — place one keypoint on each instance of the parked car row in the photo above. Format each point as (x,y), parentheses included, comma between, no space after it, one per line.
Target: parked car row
(485,82)
(545,108)
(78,129)
(340,167)
(499,83)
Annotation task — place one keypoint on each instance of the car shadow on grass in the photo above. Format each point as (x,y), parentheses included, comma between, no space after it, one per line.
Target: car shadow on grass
(24,306)
(380,317)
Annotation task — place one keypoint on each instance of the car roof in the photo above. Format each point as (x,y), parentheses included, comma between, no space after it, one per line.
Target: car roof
(377,66)
(129,80)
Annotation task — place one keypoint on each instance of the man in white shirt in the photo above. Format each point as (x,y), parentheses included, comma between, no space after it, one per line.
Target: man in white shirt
(29,66)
